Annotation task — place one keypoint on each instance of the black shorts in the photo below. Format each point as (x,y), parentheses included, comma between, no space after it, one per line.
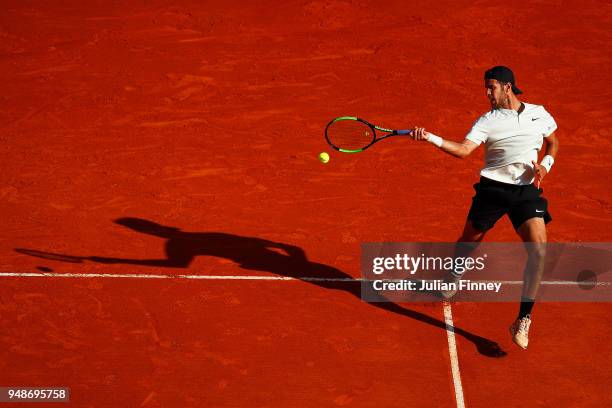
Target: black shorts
(493,199)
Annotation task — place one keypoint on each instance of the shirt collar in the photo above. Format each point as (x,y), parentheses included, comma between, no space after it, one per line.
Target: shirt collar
(512,111)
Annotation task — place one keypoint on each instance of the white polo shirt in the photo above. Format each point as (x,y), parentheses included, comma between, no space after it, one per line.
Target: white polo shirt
(512,140)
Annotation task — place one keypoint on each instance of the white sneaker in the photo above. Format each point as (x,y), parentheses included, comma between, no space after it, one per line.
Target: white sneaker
(520,331)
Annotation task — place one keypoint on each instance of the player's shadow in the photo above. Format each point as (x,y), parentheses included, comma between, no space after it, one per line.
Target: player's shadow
(276,257)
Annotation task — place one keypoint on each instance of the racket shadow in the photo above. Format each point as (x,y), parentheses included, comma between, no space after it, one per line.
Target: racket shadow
(50,255)
(259,254)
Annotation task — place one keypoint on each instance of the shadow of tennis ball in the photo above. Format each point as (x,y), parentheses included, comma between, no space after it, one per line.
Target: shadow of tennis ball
(44,269)
(587,279)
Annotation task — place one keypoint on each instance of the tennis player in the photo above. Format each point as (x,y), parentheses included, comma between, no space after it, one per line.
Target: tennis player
(513,133)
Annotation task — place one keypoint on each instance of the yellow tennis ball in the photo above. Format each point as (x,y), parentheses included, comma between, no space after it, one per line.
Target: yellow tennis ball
(324,157)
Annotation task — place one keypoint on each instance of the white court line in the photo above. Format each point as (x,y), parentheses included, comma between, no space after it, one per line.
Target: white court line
(452,351)
(149,276)
(237,277)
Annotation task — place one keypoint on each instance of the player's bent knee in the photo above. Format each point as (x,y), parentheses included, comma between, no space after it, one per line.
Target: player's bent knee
(536,250)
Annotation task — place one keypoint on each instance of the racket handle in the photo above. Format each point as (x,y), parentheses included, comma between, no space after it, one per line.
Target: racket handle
(404,132)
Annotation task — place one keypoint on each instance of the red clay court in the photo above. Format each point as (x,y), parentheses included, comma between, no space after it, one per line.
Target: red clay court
(168,152)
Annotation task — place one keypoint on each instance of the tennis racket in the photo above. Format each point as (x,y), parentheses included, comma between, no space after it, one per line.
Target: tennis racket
(349,134)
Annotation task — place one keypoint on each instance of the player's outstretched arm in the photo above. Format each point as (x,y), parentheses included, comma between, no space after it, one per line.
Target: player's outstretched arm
(457,149)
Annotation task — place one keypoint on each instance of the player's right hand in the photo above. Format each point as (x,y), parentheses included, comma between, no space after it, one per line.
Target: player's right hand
(419,133)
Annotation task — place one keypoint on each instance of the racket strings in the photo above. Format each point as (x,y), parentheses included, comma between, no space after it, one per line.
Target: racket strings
(350,134)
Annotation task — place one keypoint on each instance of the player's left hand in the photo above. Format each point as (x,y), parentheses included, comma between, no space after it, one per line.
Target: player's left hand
(540,173)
